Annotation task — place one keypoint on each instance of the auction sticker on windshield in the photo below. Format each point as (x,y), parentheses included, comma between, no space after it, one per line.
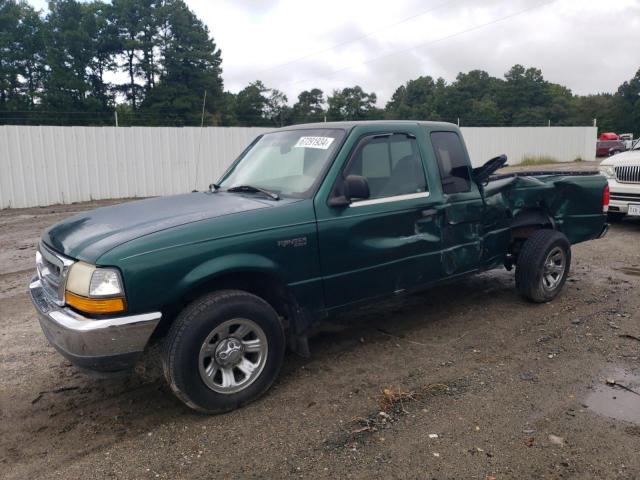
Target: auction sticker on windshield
(314,142)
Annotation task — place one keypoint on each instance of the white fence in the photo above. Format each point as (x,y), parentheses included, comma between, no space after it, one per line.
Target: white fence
(563,144)
(48,165)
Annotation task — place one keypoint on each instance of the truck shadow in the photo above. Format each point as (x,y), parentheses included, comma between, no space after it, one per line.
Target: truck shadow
(85,414)
(627,224)
(411,317)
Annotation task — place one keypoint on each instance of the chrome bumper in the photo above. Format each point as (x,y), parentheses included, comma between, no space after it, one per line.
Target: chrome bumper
(98,344)
(622,194)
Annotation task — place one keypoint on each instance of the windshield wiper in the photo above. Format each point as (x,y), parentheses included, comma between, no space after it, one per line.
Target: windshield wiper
(251,188)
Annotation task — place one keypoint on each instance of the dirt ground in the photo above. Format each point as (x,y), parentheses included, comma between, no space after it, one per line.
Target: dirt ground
(472,382)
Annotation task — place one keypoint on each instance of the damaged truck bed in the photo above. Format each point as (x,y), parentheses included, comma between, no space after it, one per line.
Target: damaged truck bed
(561,200)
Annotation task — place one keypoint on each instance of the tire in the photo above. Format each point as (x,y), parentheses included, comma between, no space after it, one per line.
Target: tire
(543,265)
(614,152)
(615,216)
(223,351)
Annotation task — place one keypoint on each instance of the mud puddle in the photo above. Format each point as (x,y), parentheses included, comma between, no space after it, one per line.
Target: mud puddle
(618,396)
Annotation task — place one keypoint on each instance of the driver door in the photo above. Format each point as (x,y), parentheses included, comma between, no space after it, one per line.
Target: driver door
(390,241)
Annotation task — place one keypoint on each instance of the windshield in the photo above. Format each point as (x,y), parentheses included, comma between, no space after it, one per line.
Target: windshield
(636,145)
(288,162)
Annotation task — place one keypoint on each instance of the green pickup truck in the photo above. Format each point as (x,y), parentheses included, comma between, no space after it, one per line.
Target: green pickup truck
(308,221)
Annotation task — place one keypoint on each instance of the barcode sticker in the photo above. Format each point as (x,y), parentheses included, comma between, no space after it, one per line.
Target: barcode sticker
(322,143)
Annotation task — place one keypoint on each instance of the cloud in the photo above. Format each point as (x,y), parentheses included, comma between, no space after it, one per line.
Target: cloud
(587,45)
(292,45)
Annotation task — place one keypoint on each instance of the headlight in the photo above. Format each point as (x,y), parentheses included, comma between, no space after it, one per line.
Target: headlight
(608,171)
(94,289)
(105,282)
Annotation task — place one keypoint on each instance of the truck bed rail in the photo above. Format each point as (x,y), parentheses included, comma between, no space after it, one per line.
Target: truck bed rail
(544,172)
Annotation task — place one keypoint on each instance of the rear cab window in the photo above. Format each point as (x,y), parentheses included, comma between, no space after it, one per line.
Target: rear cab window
(452,162)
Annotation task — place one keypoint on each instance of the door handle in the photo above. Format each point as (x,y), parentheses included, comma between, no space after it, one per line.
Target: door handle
(429,212)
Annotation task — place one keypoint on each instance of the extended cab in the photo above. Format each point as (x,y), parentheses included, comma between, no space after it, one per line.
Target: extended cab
(309,220)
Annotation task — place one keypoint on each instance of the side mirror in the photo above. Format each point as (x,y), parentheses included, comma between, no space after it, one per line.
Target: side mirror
(354,186)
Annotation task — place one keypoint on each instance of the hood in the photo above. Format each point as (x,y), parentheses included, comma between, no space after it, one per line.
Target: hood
(88,235)
(630,157)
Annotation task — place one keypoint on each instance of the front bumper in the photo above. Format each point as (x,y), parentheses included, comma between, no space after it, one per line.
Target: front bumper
(107,345)
(622,194)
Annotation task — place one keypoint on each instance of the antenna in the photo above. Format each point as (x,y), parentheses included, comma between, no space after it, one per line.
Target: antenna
(204,102)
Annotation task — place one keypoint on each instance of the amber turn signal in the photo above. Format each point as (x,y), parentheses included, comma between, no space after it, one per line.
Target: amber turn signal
(95,305)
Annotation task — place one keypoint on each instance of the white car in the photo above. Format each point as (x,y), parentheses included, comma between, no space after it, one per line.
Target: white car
(623,173)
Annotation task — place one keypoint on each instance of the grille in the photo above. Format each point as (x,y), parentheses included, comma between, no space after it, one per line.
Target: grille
(52,272)
(628,174)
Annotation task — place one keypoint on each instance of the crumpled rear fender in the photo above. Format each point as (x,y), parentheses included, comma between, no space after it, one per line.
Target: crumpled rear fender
(571,204)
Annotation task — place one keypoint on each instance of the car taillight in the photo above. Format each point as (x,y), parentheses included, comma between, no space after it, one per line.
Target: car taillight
(605,199)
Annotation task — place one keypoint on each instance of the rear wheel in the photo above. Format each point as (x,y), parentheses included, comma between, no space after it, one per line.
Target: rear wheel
(543,265)
(224,350)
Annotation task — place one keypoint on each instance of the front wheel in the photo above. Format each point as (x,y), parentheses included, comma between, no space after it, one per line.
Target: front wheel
(543,265)
(224,350)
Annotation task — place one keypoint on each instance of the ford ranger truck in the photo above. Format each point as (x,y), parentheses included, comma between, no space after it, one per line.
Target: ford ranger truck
(623,173)
(310,220)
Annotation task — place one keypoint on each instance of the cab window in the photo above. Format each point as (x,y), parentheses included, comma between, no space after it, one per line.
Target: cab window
(452,162)
(390,163)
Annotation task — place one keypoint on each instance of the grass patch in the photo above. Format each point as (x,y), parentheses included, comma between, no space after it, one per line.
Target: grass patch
(530,161)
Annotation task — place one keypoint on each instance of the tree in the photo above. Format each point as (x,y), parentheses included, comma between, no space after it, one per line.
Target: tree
(257,105)
(352,104)
(473,98)
(559,106)
(104,46)
(58,69)
(524,96)
(251,103)
(419,99)
(482,112)
(627,105)
(277,109)
(584,109)
(310,107)
(21,56)
(127,16)
(68,53)
(190,67)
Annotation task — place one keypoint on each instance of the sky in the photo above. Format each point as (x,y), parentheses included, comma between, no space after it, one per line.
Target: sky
(590,46)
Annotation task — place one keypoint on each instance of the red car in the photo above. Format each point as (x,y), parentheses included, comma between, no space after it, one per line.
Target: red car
(608,144)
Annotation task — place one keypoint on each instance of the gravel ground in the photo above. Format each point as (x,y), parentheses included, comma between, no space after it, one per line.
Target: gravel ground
(472,382)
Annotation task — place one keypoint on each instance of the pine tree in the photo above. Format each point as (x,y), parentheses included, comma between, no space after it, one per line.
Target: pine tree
(190,67)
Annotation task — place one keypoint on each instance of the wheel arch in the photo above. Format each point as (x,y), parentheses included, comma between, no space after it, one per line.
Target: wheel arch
(522,226)
(250,273)
(528,221)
